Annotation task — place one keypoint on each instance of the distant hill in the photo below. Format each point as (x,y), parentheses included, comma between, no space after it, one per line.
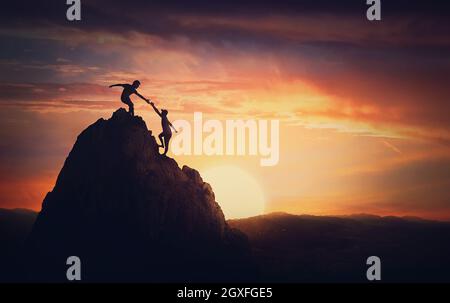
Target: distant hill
(291,248)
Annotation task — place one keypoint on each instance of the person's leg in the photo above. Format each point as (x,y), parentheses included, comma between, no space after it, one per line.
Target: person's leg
(166,142)
(130,104)
(131,108)
(161,136)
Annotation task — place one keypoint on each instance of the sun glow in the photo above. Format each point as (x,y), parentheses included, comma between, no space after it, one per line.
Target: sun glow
(237,192)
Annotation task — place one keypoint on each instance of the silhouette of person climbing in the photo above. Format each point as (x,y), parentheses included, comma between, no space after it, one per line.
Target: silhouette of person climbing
(166,134)
(128,90)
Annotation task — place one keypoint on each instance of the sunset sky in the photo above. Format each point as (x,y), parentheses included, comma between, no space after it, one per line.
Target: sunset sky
(363,106)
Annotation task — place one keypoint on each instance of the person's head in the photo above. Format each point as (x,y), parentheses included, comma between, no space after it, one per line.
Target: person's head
(136,83)
(164,112)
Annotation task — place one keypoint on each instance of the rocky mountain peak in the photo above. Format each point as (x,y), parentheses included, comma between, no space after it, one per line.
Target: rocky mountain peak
(130,213)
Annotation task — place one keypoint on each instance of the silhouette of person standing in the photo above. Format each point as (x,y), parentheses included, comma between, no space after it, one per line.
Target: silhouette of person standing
(128,90)
(166,134)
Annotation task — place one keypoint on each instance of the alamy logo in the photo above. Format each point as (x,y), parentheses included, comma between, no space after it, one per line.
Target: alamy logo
(374,11)
(230,138)
(74,11)
(374,271)
(73,273)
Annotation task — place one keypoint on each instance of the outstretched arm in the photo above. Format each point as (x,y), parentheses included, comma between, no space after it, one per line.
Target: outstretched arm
(123,85)
(142,97)
(173,127)
(156,110)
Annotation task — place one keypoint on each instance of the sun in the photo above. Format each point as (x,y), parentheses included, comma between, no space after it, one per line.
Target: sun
(237,192)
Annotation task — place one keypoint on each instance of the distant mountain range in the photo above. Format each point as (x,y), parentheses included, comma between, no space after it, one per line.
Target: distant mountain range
(293,248)
(302,248)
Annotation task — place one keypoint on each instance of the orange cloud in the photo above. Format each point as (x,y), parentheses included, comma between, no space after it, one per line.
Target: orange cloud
(364,108)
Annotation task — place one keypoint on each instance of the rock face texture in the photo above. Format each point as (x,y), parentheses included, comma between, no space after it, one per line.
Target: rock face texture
(131,214)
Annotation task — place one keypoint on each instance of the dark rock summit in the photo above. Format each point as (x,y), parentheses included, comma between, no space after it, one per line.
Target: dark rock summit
(131,214)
